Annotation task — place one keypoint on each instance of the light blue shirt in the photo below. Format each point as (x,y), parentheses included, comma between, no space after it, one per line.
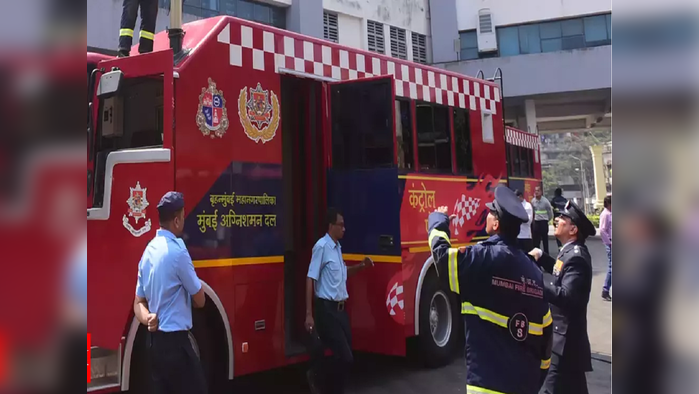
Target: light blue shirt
(166,278)
(328,269)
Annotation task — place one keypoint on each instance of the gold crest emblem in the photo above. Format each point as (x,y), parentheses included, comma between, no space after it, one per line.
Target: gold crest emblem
(259,115)
(212,116)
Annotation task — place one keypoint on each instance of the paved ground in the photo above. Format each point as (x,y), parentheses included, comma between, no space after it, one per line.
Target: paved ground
(388,375)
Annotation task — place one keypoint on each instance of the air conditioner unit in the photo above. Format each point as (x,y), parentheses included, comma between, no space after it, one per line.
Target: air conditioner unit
(112,117)
(487,42)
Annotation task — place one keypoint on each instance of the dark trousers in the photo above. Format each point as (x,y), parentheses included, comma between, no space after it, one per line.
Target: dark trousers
(174,365)
(540,233)
(564,382)
(333,327)
(149,13)
(526,244)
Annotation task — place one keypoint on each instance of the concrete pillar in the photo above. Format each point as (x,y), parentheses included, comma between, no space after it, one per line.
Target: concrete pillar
(530,115)
(444,27)
(306,17)
(600,181)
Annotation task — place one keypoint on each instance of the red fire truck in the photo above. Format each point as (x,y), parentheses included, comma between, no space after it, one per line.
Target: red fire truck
(262,129)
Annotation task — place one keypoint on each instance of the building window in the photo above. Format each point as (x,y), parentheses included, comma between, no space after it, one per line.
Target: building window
(399,46)
(433,137)
(574,33)
(245,9)
(469,45)
(404,135)
(330,30)
(375,37)
(462,139)
(419,48)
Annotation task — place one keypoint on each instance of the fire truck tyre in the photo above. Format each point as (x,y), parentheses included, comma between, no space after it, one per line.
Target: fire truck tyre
(209,342)
(438,322)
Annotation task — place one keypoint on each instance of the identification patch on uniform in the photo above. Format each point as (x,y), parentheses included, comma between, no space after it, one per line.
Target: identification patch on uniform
(519,327)
(557,267)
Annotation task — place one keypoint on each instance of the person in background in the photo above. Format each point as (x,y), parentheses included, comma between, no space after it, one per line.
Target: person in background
(524,239)
(166,288)
(605,229)
(543,213)
(558,202)
(327,280)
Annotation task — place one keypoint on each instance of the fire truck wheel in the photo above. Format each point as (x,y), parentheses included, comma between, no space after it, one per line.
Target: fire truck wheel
(209,342)
(439,322)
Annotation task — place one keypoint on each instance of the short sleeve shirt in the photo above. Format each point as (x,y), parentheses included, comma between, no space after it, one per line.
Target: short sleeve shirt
(328,269)
(167,280)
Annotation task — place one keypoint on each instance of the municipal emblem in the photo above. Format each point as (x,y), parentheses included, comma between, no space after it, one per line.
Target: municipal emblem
(212,116)
(137,210)
(259,113)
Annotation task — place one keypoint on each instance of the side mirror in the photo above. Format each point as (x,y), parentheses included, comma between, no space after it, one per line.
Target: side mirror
(109,84)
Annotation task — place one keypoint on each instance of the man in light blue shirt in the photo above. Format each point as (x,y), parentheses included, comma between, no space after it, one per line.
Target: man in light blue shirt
(327,280)
(165,290)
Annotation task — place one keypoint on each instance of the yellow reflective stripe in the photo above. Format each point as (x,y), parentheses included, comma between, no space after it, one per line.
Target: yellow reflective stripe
(475,389)
(545,364)
(126,32)
(147,35)
(501,320)
(536,329)
(436,233)
(468,309)
(547,319)
(454,270)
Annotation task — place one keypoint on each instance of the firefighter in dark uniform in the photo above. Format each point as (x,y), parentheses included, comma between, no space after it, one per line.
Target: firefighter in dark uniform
(508,322)
(149,13)
(569,293)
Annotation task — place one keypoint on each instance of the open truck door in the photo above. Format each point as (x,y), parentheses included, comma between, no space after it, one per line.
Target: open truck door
(362,181)
(132,168)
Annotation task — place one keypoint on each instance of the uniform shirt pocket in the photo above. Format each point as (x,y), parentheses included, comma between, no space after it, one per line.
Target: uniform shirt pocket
(334,273)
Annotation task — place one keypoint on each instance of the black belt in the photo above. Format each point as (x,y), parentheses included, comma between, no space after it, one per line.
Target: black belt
(171,334)
(339,305)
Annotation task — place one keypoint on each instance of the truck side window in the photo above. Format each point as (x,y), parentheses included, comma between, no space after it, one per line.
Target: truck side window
(462,139)
(362,125)
(433,138)
(404,135)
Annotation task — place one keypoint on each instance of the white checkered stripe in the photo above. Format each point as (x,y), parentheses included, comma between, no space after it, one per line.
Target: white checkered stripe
(465,209)
(266,50)
(521,138)
(395,298)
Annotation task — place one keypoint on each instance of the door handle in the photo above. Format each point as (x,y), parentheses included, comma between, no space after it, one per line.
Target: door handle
(385,241)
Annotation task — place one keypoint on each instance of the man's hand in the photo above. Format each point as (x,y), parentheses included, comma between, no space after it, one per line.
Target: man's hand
(152,322)
(368,262)
(310,323)
(536,253)
(444,209)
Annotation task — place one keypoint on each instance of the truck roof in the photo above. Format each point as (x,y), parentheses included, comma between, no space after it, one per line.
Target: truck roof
(253,43)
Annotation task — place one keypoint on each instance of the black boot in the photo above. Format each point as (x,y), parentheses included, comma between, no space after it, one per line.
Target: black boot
(123,53)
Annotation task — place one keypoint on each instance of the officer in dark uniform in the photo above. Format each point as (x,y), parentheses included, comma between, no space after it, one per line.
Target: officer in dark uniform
(508,321)
(149,14)
(569,293)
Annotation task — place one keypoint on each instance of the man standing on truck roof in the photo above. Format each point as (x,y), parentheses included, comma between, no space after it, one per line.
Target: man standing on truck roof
(327,280)
(166,288)
(149,13)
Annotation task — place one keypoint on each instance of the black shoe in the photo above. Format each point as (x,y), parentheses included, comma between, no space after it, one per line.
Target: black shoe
(312,382)
(123,53)
(606,296)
